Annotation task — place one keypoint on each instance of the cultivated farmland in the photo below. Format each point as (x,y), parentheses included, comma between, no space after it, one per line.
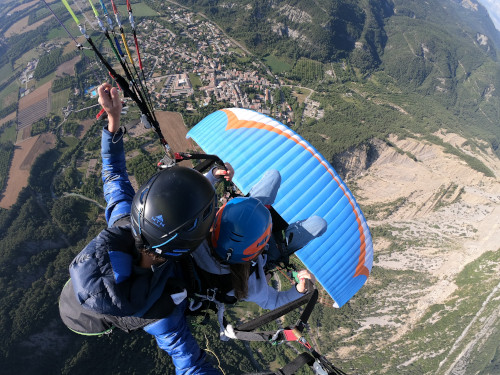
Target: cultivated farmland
(25,154)
(22,26)
(68,67)
(174,130)
(34,106)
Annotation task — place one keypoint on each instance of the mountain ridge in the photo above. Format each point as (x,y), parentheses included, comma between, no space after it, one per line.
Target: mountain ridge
(443,50)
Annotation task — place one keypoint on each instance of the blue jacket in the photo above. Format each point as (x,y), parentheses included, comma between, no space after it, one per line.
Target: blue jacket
(107,280)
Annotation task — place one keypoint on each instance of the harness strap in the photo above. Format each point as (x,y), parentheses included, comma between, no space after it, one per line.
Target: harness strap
(230,332)
(310,298)
(304,317)
(292,367)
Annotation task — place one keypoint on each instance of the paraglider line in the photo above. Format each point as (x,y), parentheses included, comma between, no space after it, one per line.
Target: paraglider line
(146,96)
(78,45)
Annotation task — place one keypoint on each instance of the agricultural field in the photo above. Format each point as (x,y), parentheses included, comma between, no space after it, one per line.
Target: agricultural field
(23,6)
(307,70)
(277,65)
(5,72)
(44,80)
(33,113)
(9,94)
(25,154)
(70,45)
(140,10)
(34,106)
(59,100)
(9,117)
(42,92)
(173,128)
(22,26)
(58,32)
(68,67)
(8,134)
(17,27)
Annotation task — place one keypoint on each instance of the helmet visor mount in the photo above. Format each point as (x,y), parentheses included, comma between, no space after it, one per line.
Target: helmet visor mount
(227,260)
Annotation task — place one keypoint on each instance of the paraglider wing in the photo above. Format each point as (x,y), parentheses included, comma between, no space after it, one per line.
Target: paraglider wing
(341,259)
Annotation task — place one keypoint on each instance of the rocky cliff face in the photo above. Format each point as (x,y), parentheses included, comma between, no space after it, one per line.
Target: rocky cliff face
(432,215)
(355,161)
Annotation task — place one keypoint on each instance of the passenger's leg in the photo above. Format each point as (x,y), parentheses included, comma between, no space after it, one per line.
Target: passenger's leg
(297,235)
(266,189)
(300,233)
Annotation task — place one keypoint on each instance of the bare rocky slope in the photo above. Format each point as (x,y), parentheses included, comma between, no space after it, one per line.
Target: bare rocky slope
(442,214)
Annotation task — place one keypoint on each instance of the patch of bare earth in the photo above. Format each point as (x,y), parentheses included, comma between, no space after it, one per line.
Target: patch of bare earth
(23,6)
(68,67)
(22,26)
(25,153)
(174,130)
(85,126)
(444,212)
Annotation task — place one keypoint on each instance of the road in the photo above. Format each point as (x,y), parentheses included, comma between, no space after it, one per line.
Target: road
(85,198)
(459,365)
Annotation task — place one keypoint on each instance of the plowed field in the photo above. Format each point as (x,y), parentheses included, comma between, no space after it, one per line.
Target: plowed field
(25,154)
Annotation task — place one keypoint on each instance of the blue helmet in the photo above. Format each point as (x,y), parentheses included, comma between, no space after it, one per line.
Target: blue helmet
(241,230)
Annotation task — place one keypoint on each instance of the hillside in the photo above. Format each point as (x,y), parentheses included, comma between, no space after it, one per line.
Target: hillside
(438,61)
(435,290)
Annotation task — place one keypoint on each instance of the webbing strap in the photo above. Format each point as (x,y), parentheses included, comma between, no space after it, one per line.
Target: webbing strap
(276,313)
(300,325)
(254,336)
(301,360)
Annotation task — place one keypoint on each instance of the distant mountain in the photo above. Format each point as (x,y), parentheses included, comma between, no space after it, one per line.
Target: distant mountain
(323,30)
(446,50)
(327,30)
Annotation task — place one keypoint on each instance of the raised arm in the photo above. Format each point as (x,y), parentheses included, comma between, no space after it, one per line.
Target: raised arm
(118,191)
(266,296)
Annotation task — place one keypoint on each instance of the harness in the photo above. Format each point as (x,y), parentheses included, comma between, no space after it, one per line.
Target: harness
(204,286)
(278,240)
(317,362)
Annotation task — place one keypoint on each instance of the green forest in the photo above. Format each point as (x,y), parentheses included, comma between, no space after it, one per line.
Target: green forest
(6,152)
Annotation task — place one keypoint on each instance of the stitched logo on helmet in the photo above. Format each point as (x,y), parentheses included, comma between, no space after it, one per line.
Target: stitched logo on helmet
(158,220)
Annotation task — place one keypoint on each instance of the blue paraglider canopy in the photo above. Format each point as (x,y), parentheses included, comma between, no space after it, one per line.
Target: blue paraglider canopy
(341,259)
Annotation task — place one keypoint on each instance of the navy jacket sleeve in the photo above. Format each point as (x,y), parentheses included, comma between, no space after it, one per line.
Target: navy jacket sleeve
(172,332)
(173,336)
(118,191)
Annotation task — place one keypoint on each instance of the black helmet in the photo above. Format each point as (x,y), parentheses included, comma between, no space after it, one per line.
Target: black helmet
(172,212)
